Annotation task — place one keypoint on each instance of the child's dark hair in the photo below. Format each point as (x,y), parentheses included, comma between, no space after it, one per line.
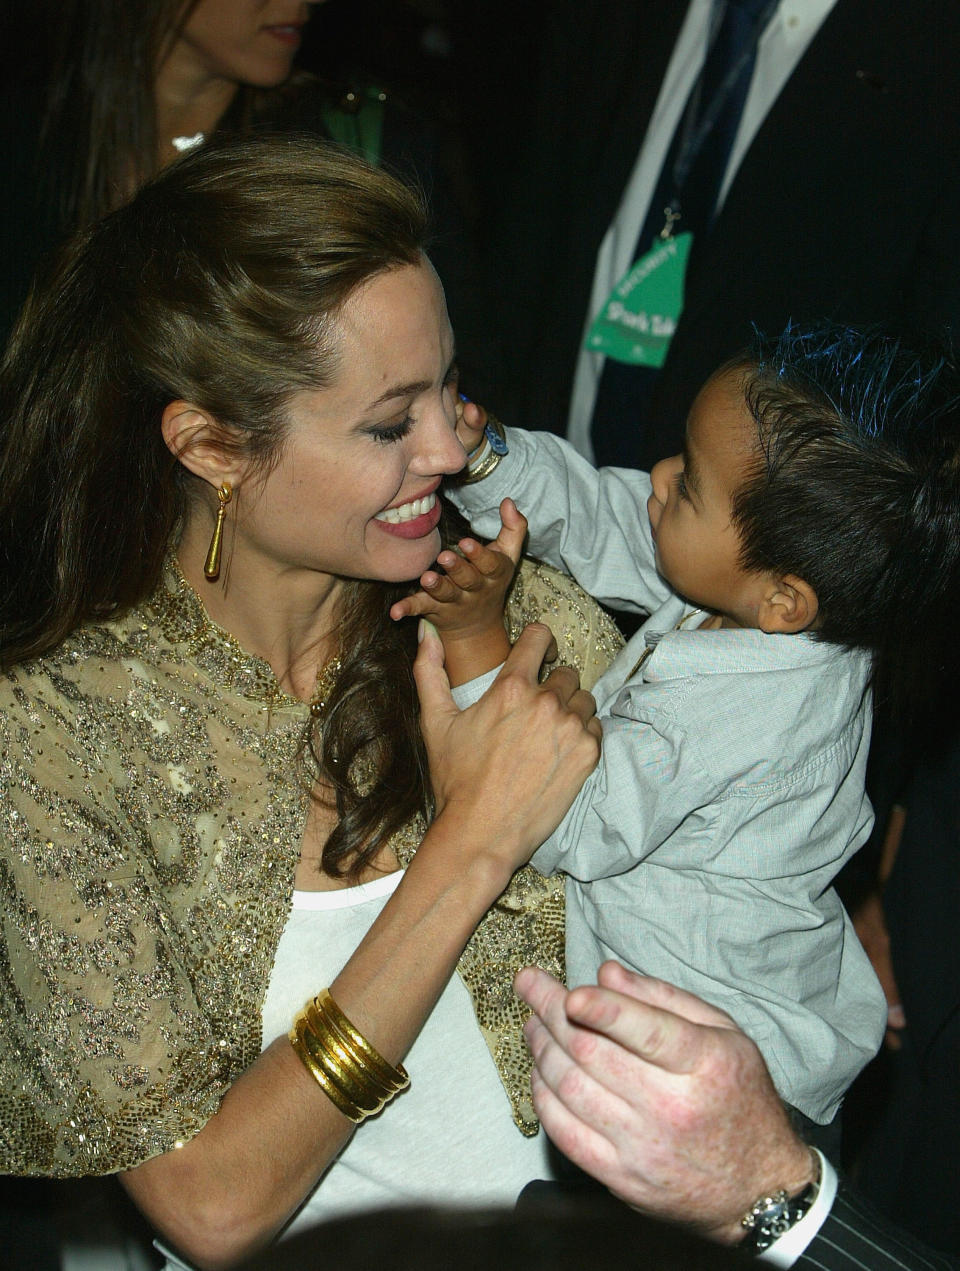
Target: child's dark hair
(858,492)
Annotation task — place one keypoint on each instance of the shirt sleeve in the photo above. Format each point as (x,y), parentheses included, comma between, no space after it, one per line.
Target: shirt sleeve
(465,695)
(785,1251)
(591,523)
(107,1057)
(649,781)
(853,1236)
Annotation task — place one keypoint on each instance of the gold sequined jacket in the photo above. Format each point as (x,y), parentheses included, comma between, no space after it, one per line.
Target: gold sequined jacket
(152,803)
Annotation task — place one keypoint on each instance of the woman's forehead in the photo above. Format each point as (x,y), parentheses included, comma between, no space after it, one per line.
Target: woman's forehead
(396,319)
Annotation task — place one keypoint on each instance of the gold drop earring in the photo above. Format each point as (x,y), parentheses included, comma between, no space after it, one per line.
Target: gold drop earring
(211,566)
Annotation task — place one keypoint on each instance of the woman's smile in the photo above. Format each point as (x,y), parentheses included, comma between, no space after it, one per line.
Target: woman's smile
(413,517)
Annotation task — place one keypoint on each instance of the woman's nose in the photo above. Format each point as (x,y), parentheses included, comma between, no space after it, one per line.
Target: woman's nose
(438,448)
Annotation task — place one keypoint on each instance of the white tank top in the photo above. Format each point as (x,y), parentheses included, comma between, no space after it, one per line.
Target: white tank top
(448,1138)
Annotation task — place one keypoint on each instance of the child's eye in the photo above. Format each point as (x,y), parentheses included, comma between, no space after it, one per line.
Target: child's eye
(681,485)
(387,433)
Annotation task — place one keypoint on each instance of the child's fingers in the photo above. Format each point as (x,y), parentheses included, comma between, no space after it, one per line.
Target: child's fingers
(465,574)
(471,420)
(444,587)
(474,415)
(405,608)
(488,560)
(513,531)
(511,517)
(419,605)
(428,603)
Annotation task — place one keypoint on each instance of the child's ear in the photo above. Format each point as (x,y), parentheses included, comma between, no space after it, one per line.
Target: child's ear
(789,605)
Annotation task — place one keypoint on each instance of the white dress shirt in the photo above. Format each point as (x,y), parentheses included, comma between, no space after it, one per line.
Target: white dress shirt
(783,43)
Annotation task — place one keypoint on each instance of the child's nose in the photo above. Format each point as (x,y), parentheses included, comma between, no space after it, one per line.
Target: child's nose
(661,475)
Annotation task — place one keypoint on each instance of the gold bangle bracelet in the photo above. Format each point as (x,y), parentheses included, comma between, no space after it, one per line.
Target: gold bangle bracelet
(324,1030)
(336,1097)
(396,1077)
(350,1080)
(351,1072)
(330,1088)
(343,1070)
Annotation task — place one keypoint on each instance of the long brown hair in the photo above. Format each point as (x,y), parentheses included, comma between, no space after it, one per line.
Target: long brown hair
(216,284)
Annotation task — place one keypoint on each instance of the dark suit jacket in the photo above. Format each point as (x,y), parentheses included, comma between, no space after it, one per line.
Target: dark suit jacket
(856,1238)
(909,1164)
(847,204)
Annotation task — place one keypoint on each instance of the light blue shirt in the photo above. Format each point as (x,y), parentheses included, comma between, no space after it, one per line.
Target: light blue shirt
(702,848)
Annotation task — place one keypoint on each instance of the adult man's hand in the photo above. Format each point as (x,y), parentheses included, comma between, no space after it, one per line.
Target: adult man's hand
(661,1097)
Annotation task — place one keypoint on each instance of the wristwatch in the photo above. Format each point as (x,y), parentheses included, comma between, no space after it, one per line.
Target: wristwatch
(488,454)
(772,1216)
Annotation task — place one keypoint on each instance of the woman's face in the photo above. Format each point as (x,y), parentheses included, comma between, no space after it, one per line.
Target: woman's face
(244,41)
(354,493)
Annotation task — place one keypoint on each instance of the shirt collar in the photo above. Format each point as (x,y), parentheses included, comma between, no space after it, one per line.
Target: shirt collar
(730,651)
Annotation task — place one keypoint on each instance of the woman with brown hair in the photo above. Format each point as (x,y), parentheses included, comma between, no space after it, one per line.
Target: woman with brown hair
(131,86)
(226,419)
(111,92)
(106,93)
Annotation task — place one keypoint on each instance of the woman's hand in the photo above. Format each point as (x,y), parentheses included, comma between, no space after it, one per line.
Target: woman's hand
(505,770)
(661,1097)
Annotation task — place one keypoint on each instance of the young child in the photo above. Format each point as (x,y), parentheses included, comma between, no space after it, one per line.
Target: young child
(805,543)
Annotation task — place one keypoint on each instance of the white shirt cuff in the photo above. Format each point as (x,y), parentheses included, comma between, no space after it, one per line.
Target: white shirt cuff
(785,1251)
(466,694)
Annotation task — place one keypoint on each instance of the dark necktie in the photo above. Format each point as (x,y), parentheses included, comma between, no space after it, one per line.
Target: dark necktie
(689,183)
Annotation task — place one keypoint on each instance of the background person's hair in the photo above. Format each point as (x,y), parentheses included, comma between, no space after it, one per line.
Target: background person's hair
(857,491)
(98,137)
(217,284)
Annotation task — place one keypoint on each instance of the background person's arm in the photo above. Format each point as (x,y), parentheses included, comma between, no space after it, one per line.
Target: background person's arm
(661,1097)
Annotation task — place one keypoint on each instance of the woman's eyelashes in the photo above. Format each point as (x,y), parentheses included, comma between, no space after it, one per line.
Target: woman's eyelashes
(387,433)
(397,430)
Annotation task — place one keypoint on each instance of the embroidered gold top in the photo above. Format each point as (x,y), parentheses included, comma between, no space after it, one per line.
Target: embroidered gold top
(152,805)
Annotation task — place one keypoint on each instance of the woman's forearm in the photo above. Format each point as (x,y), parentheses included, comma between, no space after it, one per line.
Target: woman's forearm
(229,1190)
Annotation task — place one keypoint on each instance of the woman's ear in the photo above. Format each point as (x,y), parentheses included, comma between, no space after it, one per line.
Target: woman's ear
(789,605)
(195,438)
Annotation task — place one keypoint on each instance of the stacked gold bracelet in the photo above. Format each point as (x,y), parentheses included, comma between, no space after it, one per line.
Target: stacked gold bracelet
(350,1072)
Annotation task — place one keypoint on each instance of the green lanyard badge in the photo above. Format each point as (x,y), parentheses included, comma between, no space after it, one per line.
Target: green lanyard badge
(637,322)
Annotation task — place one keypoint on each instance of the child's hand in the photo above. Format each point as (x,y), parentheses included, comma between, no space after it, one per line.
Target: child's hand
(465,602)
(471,420)
(468,596)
